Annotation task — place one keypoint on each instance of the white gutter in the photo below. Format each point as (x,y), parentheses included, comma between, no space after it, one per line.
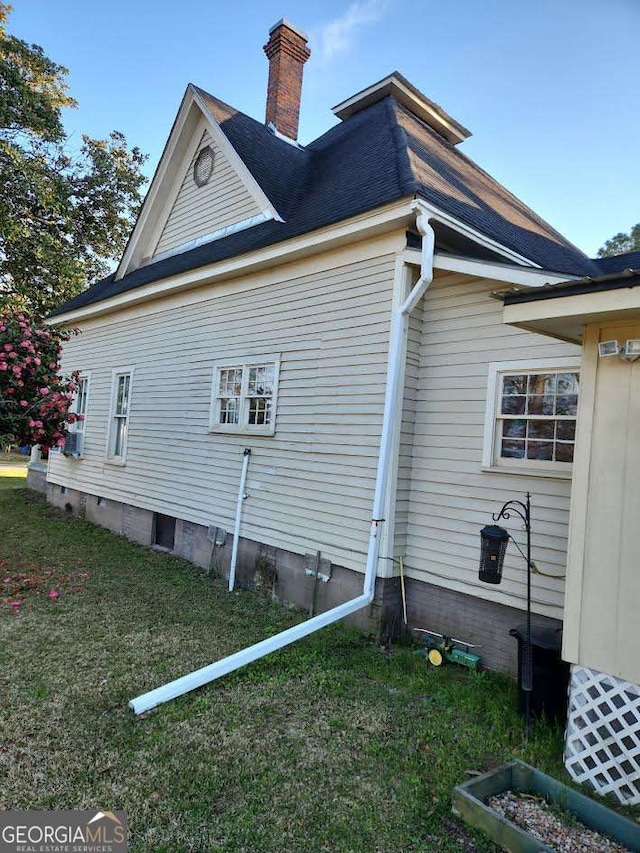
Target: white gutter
(236,530)
(392,405)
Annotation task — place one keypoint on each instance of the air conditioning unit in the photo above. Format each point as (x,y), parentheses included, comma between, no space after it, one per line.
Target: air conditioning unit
(73,444)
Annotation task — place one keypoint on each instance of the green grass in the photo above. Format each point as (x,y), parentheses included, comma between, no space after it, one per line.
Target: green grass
(329,745)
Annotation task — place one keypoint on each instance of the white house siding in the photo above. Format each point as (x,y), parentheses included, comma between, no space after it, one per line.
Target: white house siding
(405,459)
(311,484)
(198,211)
(451,497)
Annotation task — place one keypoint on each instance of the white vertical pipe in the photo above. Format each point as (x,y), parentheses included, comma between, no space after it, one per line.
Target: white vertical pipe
(236,528)
(392,408)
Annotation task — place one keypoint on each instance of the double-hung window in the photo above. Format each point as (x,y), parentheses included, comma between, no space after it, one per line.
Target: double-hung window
(244,395)
(79,409)
(531,416)
(119,419)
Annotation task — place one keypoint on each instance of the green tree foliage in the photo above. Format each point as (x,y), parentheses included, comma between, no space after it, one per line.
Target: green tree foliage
(64,215)
(621,243)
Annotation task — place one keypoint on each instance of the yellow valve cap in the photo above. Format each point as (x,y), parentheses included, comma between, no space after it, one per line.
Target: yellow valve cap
(435,657)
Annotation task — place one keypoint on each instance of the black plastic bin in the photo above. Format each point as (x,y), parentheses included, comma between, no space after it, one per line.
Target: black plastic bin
(550,672)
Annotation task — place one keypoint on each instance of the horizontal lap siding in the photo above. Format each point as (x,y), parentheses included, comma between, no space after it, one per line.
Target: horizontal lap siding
(451,497)
(311,484)
(199,211)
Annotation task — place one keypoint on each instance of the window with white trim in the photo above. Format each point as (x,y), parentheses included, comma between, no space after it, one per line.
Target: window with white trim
(244,395)
(80,403)
(119,420)
(531,417)
(79,408)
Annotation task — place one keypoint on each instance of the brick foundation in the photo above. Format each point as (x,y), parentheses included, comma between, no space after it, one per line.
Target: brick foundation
(473,619)
(282,574)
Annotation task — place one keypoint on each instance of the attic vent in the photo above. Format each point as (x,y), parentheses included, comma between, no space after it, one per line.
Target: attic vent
(203,167)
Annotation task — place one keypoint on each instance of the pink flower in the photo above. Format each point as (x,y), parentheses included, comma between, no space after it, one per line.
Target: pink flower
(37,361)
(8,347)
(39,424)
(3,365)
(44,391)
(24,404)
(60,442)
(53,594)
(52,365)
(17,370)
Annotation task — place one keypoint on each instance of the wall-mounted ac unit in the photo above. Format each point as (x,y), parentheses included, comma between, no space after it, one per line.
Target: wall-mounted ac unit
(73,444)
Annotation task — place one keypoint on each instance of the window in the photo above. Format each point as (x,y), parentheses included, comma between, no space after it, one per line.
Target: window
(119,421)
(244,396)
(80,405)
(531,416)
(74,444)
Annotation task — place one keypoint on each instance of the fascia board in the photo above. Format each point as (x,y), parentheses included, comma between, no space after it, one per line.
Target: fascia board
(446,219)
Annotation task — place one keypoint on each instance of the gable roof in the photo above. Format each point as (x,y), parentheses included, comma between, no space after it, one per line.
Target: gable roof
(378,155)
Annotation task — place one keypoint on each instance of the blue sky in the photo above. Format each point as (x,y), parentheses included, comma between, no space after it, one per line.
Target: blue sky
(549,88)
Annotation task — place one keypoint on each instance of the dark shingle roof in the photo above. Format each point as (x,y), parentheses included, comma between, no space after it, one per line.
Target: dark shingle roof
(378,155)
(618,263)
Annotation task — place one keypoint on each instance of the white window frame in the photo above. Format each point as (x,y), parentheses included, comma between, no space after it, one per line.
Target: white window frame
(116,373)
(79,427)
(243,427)
(491,461)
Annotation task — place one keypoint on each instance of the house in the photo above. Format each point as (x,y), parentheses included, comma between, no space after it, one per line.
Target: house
(331,309)
(602,600)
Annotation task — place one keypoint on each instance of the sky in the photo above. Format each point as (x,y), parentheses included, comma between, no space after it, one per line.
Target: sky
(549,88)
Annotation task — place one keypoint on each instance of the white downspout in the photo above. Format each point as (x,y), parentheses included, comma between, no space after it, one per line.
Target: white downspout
(392,408)
(236,529)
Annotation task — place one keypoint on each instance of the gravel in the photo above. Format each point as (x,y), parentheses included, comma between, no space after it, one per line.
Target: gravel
(562,832)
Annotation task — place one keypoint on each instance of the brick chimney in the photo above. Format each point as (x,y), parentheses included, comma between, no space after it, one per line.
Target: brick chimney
(287,53)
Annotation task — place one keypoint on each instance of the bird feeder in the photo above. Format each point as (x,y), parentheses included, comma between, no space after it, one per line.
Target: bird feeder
(494,540)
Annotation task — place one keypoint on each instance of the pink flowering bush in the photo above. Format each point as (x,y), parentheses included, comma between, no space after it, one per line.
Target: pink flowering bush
(34,399)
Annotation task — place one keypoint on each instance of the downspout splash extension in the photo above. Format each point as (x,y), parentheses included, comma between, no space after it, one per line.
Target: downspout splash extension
(399,326)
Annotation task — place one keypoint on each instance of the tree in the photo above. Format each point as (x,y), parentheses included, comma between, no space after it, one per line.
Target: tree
(64,215)
(35,400)
(621,243)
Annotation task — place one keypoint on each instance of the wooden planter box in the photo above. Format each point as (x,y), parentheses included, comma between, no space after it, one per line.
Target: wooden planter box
(469,803)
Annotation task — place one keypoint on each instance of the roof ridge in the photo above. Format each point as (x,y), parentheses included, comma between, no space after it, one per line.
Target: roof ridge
(406,178)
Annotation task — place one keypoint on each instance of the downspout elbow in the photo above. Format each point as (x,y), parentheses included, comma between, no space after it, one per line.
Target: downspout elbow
(427,233)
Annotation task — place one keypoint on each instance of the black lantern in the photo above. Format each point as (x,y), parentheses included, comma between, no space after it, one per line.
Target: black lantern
(494,541)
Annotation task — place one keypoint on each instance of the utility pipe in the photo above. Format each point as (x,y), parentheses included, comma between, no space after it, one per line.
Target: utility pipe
(242,496)
(393,401)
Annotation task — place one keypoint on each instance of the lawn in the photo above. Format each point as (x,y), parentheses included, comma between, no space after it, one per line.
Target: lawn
(330,745)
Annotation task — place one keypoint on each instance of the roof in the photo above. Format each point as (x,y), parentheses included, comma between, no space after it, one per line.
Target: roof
(618,263)
(378,155)
(613,281)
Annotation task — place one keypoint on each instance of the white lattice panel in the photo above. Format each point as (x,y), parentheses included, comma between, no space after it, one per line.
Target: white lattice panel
(602,744)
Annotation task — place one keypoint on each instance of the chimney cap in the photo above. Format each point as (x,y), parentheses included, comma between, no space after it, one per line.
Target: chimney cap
(283,22)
